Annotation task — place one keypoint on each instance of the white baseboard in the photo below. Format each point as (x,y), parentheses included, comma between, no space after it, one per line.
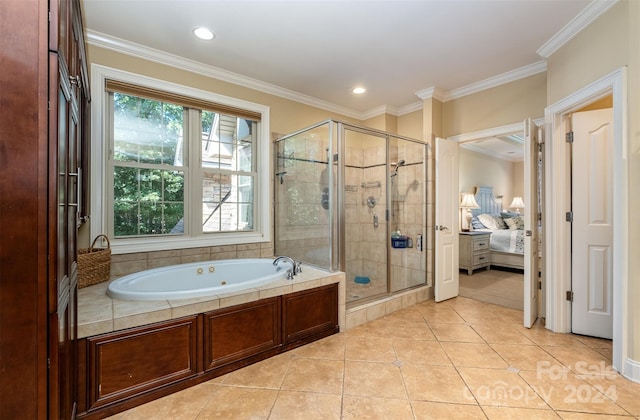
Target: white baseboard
(631,370)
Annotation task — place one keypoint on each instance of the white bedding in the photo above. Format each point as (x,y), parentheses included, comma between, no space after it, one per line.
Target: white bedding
(506,240)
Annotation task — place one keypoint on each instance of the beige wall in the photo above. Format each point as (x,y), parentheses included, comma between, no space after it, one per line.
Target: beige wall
(286,116)
(478,169)
(609,43)
(410,125)
(598,50)
(502,105)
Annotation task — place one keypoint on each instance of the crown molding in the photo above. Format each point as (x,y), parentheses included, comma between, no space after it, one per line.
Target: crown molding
(501,79)
(161,57)
(593,11)
(431,92)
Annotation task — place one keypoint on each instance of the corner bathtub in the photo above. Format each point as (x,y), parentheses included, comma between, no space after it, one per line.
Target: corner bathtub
(197,279)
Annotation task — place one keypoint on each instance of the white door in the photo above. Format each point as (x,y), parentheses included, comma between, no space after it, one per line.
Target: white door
(592,227)
(447,282)
(531,141)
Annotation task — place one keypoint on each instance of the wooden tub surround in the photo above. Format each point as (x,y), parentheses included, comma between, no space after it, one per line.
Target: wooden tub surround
(133,352)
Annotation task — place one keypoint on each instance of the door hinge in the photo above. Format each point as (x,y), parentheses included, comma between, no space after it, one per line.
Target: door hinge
(569,216)
(539,285)
(569,295)
(48,363)
(569,137)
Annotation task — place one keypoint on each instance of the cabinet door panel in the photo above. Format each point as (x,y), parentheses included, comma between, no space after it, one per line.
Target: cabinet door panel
(241,331)
(141,359)
(310,312)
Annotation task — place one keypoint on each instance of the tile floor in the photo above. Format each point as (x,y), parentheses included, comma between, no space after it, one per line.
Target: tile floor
(461,359)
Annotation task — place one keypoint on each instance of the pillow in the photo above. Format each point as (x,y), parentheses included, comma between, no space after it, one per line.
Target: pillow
(509,214)
(492,221)
(477,224)
(515,223)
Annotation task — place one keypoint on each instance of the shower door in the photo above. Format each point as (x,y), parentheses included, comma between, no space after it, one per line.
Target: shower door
(407,192)
(364,198)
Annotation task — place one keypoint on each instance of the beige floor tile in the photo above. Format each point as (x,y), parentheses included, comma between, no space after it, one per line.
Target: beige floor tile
(585,416)
(473,355)
(617,388)
(492,333)
(435,383)
(388,328)
(594,342)
(369,379)
(544,337)
(440,314)
(509,413)
(265,374)
(147,411)
(372,349)
(187,404)
(375,408)
(455,332)
(406,315)
(566,392)
(500,387)
(239,403)
(527,357)
(294,405)
(480,316)
(579,359)
(426,410)
(466,303)
(314,375)
(331,347)
(420,352)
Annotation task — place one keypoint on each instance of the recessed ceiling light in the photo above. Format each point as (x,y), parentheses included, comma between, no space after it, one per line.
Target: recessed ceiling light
(359,90)
(203,33)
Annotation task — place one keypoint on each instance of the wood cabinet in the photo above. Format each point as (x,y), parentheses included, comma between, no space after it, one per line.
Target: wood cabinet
(474,251)
(306,314)
(130,362)
(126,368)
(239,332)
(42,131)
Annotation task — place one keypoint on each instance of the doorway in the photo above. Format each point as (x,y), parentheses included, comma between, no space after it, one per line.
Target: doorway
(513,151)
(558,200)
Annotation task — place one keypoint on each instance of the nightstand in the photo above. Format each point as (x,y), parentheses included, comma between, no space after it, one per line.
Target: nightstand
(474,250)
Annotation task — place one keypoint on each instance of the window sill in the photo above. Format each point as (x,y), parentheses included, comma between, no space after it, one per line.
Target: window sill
(128,246)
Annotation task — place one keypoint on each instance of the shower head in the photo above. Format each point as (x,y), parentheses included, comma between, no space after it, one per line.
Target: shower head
(397,165)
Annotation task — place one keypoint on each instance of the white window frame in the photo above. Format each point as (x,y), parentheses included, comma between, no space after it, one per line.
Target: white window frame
(99,155)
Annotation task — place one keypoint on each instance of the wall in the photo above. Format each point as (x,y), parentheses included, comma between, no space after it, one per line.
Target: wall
(502,105)
(477,169)
(609,43)
(410,125)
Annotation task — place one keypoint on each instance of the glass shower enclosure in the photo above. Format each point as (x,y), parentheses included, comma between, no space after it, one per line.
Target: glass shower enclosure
(353,199)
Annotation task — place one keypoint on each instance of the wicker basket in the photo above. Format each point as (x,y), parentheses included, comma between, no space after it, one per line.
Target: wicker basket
(94,264)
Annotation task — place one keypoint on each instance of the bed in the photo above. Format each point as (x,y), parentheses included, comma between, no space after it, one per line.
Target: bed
(507,236)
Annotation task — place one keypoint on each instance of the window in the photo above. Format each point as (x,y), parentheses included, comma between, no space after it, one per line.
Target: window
(181,167)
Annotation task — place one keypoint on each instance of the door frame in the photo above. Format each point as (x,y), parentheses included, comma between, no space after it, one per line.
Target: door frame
(503,130)
(558,202)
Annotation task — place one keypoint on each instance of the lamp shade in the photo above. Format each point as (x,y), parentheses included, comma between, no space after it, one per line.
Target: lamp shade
(517,203)
(468,202)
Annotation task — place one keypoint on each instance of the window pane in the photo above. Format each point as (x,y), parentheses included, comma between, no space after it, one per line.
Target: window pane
(147,201)
(147,131)
(227,202)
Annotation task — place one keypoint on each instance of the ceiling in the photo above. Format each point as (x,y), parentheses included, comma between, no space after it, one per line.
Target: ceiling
(507,147)
(318,51)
